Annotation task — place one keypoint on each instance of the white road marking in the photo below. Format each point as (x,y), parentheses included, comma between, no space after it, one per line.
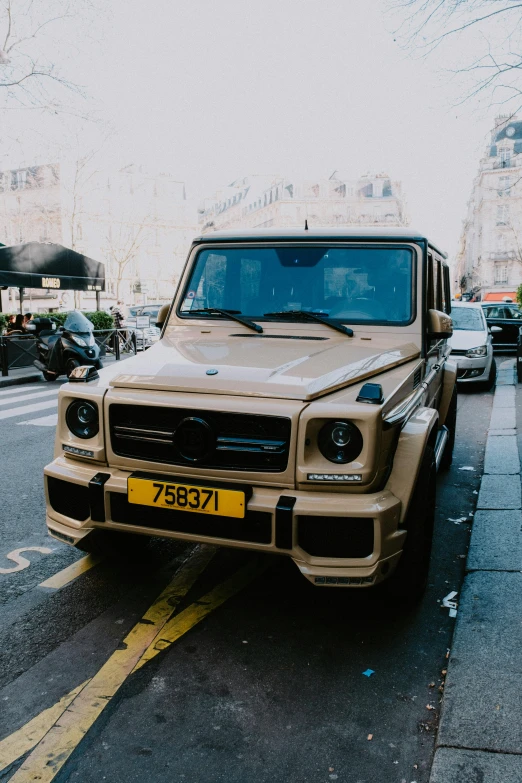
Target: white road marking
(23,562)
(10,400)
(28,387)
(43,421)
(23,409)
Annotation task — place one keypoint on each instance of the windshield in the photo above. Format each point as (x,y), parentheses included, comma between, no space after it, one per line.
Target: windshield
(469,320)
(78,323)
(352,284)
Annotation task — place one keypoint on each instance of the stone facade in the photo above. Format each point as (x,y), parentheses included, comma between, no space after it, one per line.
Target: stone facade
(140,225)
(259,201)
(489,259)
(30,205)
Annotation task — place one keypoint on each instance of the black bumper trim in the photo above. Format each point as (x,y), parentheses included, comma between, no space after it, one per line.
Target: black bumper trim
(283,522)
(97,496)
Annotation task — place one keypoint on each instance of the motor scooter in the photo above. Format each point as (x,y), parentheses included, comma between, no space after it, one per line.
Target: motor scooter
(61,350)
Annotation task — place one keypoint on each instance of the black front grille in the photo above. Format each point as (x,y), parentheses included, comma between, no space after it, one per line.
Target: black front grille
(336,536)
(458,352)
(256,527)
(227,441)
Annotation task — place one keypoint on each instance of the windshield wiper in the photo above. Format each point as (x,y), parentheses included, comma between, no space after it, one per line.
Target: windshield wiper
(234,315)
(322,318)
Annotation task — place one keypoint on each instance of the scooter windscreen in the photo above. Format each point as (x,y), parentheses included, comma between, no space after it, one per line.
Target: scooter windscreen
(79,328)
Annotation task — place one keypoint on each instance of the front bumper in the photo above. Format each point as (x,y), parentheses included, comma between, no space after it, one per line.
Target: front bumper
(334,539)
(472,370)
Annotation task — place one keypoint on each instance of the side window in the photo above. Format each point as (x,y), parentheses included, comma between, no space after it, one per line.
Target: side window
(438,284)
(430,293)
(444,287)
(435,283)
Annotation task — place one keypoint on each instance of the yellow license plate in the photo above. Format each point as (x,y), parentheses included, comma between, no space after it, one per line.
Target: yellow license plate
(186,497)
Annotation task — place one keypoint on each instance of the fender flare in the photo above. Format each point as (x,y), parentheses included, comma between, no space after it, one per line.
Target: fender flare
(448,384)
(419,431)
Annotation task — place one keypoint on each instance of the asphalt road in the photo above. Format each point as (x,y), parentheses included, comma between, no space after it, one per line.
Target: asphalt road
(260,679)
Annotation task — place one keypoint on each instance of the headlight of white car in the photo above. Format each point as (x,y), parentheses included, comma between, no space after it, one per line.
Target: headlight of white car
(474,352)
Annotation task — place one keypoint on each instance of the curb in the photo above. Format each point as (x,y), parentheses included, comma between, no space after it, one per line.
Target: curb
(20,379)
(480,734)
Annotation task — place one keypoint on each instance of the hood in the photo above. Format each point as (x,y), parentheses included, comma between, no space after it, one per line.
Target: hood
(463,339)
(298,369)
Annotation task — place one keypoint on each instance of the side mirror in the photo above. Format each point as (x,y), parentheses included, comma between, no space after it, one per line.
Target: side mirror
(440,325)
(494,329)
(162,315)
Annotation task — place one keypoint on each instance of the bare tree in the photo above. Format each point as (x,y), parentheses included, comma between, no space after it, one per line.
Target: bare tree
(491,28)
(124,241)
(32,32)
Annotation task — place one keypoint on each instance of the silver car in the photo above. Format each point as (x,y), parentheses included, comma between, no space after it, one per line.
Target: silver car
(471,345)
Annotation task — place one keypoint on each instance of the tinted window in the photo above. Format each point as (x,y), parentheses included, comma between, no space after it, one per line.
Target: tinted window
(469,320)
(494,312)
(353,284)
(513,312)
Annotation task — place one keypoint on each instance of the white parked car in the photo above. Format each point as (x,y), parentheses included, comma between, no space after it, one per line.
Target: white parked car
(471,345)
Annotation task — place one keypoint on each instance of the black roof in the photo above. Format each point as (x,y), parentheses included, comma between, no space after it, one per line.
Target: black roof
(46,265)
(343,233)
(517,127)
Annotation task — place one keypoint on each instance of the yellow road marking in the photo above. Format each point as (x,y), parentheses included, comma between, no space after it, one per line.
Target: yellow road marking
(54,749)
(196,612)
(71,572)
(23,740)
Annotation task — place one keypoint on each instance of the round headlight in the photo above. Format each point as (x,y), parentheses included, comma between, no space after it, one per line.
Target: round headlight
(82,419)
(340,441)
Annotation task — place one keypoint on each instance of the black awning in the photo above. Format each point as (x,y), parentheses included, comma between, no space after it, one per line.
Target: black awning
(45,265)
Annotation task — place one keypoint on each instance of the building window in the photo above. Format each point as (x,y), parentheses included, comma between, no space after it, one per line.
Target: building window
(18,179)
(501,273)
(505,156)
(502,214)
(504,186)
(501,243)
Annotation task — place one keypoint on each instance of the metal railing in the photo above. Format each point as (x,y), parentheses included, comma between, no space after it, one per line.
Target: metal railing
(19,350)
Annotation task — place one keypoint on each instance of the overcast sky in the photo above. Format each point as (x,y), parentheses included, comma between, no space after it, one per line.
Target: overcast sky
(212,91)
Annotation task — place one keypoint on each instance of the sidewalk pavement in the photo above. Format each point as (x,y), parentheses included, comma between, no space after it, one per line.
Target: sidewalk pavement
(32,375)
(480,732)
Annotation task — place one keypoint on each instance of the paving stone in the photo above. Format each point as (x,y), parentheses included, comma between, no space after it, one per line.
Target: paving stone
(496,541)
(499,492)
(501,455)
(502,419)
(502,432)
(506,378)
(474,766)
(482,696)
(504,397)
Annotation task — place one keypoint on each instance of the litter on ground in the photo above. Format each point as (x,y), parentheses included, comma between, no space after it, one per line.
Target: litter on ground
(466,467)
(368,672)
(449,603)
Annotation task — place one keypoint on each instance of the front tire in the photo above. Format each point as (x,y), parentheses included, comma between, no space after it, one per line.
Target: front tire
(70,365)
(410,578)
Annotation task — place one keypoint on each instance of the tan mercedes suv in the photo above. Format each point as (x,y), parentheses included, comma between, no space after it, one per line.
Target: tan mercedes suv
(300,401)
